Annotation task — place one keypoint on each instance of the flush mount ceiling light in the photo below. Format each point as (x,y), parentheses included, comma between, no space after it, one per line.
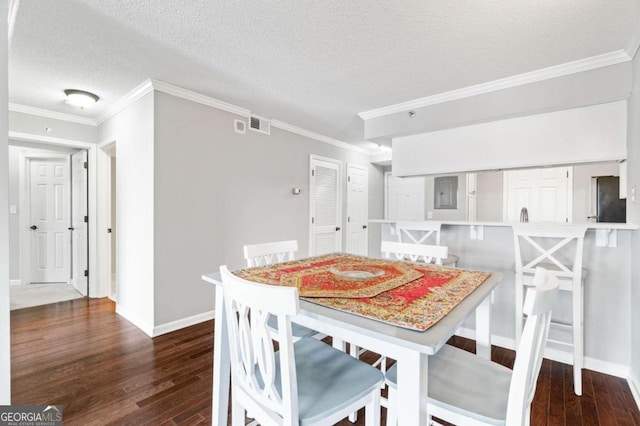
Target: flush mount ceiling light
(80,98)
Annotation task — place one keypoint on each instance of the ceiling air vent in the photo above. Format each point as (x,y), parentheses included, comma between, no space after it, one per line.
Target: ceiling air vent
(260,124)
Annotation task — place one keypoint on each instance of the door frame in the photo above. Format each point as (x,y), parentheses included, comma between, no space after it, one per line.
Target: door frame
(97,288)
(340,190)
(24,204)
(387,176)
(105,152)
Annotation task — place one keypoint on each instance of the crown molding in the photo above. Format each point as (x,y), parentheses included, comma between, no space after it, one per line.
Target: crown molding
(586,64)
(634,43)
(189,95)
(316,136)
(169,89)
(137,93)
(13,12)
(51,114)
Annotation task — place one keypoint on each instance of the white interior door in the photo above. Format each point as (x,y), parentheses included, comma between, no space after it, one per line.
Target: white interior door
(79,221)
(357,210)
(405,198)
(49,211)
(326,207)
(545,192)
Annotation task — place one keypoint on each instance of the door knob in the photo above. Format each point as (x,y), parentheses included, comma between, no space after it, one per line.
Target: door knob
(364,226)
(337,228)
(71,228)
(34,227)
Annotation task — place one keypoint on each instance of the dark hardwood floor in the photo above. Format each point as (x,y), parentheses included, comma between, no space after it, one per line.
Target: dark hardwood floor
(103,370)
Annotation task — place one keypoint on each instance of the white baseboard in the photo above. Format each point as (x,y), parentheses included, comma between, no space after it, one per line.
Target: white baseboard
(15,282)
(605,367)
(182,323)
(135,320)
(634,384)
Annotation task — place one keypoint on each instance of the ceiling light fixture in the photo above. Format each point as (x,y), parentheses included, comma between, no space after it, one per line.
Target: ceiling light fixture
(80,98)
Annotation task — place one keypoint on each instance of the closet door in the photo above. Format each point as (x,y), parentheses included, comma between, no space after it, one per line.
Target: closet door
(326,206)
(357,210)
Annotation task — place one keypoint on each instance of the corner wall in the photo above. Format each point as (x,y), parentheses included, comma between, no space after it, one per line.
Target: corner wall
(633,216)
(216,190)
(5,341)
(134,132)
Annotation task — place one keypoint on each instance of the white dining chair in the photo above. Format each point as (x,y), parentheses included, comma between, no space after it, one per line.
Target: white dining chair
(557,248)
(466,389)
(415,252)
(269,253)
(400,251)
(425,232)
(303,383)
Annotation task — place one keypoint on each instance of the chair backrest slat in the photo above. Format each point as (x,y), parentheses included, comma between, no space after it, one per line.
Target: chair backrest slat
(528,361)
(415,252)
(248,306)
(270,253)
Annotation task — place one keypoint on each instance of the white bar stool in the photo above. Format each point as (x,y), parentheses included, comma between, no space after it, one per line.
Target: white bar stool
(557,248)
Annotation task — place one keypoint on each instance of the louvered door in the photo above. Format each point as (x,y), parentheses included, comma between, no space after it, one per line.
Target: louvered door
(326,209)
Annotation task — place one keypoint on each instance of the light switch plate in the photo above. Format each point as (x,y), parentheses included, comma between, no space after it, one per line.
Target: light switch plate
(13,209)
(429,215)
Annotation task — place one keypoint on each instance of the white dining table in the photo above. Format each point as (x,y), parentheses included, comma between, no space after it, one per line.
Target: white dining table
(411,349)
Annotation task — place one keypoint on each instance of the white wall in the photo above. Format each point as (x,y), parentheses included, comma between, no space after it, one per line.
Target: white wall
(14,219)
(216,190)
(135,211)
(596,86)
(607,311)
(459,213)
(582,175)
(633,215)
(608,314)
(489,187)
(35,125)
(594,133)
(191,192)
(5,346)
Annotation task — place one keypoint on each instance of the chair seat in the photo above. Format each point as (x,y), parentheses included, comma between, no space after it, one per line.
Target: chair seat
(462,382)
(451,261)
(297,331)
(328,379)
(553,268)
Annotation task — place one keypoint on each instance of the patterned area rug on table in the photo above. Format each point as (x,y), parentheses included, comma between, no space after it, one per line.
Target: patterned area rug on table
(417,305)
(408,294)
(317,277)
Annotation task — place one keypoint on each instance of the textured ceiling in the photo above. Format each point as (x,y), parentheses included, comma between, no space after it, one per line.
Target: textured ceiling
(313,64)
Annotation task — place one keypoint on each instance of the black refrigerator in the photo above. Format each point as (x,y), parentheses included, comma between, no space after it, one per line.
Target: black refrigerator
(610,208)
